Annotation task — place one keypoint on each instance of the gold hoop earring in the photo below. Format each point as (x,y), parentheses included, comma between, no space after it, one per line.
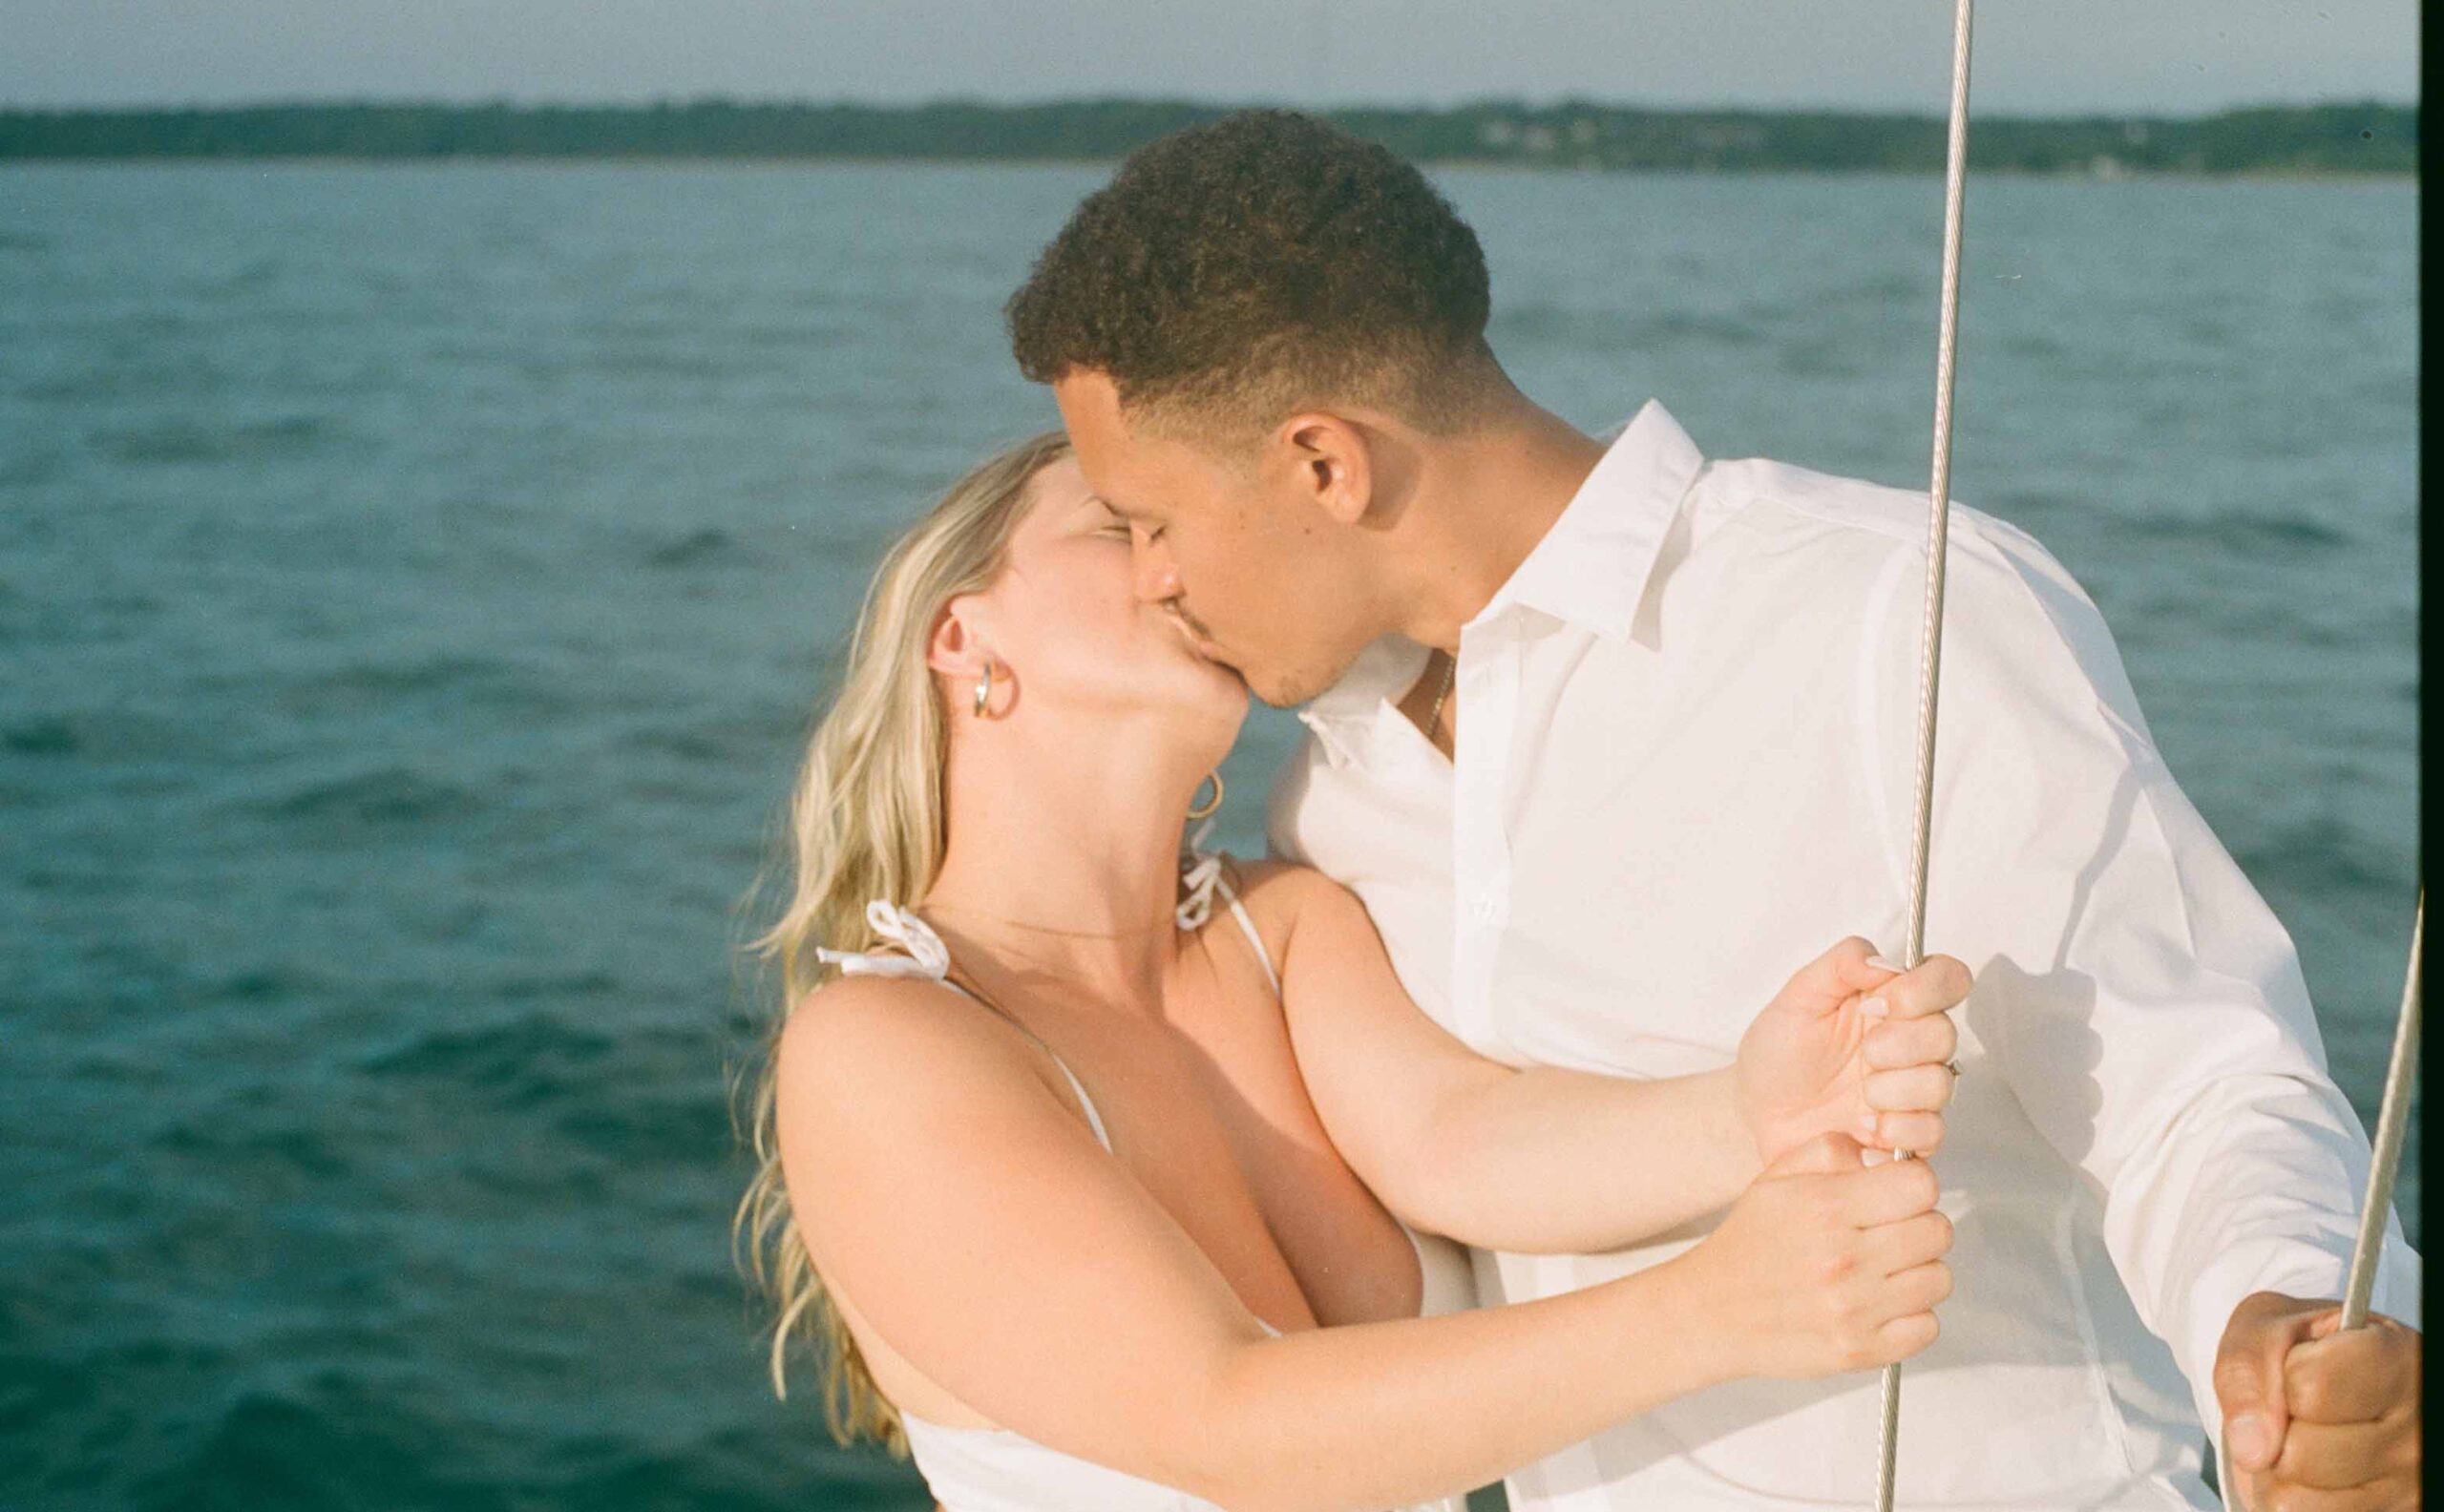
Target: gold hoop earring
(984,690)
(1207,810)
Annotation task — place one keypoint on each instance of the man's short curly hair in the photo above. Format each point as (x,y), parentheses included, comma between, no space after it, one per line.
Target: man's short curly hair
(1234,271)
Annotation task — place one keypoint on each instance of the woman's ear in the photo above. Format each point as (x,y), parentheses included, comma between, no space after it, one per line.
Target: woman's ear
(1332,464)
(955,646)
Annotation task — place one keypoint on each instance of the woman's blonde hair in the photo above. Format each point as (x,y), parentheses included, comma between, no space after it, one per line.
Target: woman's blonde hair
(866,822)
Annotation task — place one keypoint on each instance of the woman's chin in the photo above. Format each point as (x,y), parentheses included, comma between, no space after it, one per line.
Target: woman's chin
(1224,696)
(1189,692)
(1212,672)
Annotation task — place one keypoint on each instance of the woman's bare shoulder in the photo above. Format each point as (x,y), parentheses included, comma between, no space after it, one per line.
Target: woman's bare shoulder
(1276,879)
(1278,894)
(864,1048)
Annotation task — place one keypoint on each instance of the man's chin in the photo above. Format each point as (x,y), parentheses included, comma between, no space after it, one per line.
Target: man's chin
(1281,691)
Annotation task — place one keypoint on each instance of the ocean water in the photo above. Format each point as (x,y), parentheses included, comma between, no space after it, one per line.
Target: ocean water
(415,580)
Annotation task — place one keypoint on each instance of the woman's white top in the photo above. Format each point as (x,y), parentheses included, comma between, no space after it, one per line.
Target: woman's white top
(995,1469)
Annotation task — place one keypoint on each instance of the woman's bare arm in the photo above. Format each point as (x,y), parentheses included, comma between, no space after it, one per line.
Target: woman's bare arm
(1545,1158)
(972,1220)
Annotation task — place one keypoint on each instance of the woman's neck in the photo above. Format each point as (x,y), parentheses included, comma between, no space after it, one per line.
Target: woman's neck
(1063,857)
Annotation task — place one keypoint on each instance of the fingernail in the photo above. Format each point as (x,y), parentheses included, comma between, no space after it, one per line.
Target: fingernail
(1880,963)
(2250,1438)
(1874,1008)
(1867,1125)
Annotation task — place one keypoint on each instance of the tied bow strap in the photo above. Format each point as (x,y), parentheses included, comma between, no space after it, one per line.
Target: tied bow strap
(927,955)
(1200,870)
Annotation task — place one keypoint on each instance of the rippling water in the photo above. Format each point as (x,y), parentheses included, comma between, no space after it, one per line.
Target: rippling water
(414,580)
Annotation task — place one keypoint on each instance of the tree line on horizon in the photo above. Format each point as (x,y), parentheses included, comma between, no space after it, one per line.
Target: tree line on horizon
(2364,137)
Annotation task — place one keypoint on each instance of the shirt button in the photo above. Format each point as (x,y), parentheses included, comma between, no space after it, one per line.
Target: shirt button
(1485,908)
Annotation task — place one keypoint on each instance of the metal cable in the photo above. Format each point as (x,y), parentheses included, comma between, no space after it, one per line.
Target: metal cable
(2389,1123)
(1930,628)
(2391,1119)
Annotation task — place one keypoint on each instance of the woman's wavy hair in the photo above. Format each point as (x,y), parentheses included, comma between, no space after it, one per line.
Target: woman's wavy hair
(866,822)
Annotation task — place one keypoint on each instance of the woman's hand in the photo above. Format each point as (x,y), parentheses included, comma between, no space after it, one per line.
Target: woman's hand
(1826,1264)
(1850,1046)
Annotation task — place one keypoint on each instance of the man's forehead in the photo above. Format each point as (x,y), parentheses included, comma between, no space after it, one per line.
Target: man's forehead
(1089,406)
(1144,472)
(1112,483)
(1088,388)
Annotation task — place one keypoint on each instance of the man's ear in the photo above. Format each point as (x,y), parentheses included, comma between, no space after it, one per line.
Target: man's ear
(957,647)
(1331,463)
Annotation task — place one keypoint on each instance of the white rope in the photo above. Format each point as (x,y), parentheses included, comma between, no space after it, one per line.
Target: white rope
(2393,1117)
(2390,1122)
(1931,627)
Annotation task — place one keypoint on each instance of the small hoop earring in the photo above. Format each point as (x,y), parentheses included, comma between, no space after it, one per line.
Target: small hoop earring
(1207,810)
(984,690)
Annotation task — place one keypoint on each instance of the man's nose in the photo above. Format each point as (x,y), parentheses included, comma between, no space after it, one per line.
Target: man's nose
(1157,578)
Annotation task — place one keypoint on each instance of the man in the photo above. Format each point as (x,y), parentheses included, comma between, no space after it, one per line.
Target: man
(1603,733)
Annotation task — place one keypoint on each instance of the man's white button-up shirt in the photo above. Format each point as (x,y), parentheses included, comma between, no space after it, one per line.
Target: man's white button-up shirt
(1683,768)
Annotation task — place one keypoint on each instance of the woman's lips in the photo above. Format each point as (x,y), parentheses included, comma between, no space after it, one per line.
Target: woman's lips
(1195,639)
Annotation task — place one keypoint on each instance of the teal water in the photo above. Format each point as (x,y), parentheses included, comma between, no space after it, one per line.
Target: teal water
(414,581)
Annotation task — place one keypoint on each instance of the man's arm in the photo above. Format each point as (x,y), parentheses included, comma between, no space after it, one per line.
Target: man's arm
(2145,1006)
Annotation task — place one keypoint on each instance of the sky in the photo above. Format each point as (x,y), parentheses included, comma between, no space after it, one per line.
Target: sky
(2032,56)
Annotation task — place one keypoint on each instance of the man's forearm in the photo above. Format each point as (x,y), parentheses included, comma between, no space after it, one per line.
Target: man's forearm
(2252,1188)
(1548,1160)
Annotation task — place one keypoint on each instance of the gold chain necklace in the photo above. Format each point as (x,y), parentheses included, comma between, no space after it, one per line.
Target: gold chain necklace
(1450,677)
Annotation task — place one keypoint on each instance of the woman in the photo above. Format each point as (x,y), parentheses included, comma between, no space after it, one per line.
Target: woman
(1067,1167)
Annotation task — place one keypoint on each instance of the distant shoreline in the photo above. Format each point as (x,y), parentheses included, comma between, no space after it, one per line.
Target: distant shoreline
(2337,176)
(2366,139)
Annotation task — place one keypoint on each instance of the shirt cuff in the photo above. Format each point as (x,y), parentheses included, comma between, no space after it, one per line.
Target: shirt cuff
(2296,1268)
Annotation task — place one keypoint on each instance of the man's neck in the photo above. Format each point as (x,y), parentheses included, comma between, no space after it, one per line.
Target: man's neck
(1485,499)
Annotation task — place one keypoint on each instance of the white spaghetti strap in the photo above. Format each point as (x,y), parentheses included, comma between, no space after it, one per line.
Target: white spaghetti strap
(928,957)
(1094,1119)
(1201,872)
(1264,957)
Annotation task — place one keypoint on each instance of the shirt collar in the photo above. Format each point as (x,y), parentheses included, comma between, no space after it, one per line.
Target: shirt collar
(1377,678)
(1591,568)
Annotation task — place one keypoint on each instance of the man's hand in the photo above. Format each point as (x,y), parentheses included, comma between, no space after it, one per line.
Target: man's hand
(2316,1420)
(1851,1047)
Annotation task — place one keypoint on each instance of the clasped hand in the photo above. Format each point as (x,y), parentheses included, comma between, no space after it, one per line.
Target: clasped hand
(2318,1420)
(1853,1047)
